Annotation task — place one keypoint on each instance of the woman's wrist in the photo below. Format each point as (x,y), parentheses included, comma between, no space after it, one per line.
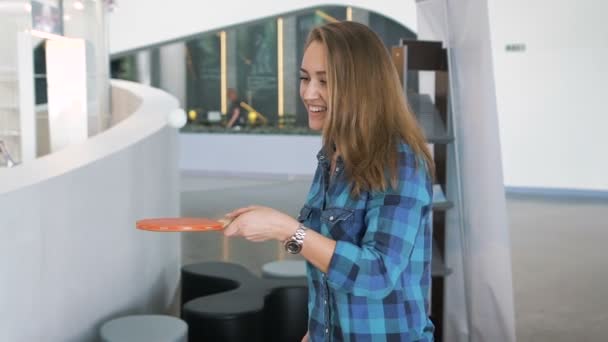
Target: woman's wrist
(287,230)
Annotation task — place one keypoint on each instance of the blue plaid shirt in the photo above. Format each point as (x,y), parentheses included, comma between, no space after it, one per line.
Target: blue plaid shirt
(377,284)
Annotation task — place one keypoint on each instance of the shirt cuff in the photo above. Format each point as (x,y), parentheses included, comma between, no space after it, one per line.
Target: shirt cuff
(343,267)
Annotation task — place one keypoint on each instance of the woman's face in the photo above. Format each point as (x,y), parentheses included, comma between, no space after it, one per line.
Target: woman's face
(313,85)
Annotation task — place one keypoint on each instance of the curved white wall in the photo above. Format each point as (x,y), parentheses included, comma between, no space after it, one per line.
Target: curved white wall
(70,257)
(166,20)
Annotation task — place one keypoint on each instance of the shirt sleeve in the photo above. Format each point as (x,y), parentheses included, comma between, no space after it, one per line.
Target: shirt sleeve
(393,220)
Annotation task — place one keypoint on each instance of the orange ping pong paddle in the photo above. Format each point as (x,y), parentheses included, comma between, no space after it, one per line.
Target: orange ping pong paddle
(182,224)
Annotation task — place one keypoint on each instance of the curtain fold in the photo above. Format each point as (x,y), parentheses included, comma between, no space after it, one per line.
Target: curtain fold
(479,293)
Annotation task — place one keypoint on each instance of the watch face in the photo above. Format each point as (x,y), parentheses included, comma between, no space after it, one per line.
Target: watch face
(293,247)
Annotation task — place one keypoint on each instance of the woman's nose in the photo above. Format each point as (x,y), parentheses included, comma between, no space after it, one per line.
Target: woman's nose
(311,92)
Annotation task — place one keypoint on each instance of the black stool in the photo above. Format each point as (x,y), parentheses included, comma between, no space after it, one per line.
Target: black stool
(225,302)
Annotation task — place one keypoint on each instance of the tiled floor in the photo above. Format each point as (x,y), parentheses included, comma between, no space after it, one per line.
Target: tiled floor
(559,253)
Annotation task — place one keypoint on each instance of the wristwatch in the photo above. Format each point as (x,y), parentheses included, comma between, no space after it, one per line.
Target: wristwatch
(294,244)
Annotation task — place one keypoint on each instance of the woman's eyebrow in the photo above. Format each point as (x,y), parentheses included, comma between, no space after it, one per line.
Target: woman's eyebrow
(322,72)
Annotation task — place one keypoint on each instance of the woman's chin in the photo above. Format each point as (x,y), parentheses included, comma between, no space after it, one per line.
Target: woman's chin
(315,126)
(315,123)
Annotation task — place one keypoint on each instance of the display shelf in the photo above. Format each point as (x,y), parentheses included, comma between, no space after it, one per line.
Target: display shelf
(438,268)
(440,202)
(429,119)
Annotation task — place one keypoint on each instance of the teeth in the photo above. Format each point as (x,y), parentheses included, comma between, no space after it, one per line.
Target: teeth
(316,109)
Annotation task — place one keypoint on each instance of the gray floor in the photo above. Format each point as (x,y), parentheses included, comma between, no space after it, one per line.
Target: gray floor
(560,269)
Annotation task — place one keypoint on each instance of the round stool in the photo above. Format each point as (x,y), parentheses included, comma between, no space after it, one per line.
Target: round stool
(145,328)
(232,316)
(284,269)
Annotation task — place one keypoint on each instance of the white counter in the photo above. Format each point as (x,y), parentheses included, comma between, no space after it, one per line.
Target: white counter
(70,256)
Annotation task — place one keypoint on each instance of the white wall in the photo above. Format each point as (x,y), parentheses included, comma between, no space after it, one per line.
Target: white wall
(70,256)
(551,98)
(249,154)
(137,23)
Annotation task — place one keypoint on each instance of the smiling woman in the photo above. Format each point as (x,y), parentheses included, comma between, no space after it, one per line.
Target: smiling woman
(365,227)
(313,85)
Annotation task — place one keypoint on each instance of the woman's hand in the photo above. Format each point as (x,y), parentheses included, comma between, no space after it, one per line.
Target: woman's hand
(256,223)
(305,338)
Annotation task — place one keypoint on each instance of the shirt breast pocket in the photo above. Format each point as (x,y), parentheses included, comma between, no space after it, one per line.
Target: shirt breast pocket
(304,215)
(339,222)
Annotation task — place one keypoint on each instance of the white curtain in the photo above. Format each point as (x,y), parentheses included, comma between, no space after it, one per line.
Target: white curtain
(479,292)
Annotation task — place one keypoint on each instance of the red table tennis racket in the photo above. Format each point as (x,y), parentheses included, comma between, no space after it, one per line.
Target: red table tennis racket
(181,224)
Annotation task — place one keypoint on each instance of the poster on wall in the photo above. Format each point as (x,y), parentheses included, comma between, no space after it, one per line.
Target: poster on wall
(47,16)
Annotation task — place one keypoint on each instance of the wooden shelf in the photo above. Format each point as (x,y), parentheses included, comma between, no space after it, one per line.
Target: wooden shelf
(428,117)
(440,202)
(433,116)
(438,268)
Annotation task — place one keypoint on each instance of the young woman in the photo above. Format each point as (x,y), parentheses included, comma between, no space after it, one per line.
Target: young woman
(364,228)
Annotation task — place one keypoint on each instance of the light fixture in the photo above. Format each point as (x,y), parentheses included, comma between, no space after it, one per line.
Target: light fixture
(78,5)
(177,118)
(223,73)
(192,114)
(326,16)
(280,105)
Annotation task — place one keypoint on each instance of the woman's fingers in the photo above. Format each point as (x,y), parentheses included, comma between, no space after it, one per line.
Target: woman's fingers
(240,211)
(225,221)
(231,229)
(258,237)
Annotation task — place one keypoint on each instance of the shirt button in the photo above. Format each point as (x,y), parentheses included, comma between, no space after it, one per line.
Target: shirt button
(325,302)
(326,331)
(337,169)
(331,218)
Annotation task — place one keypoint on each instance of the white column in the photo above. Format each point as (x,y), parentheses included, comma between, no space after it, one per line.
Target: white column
(142,64)
(173,70)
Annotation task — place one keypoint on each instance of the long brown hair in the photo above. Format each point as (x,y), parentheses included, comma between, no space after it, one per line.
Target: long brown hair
(367,114)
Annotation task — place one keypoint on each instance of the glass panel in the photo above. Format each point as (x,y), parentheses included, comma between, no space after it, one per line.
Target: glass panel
(257,70)
(252,70)
(124,68)
(203,78)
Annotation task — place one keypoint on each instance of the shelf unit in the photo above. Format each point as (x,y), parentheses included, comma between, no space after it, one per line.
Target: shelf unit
(432,114)
(9,111)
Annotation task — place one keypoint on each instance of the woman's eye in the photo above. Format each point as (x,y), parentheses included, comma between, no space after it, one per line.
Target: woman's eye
(323,81)
(303,78)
